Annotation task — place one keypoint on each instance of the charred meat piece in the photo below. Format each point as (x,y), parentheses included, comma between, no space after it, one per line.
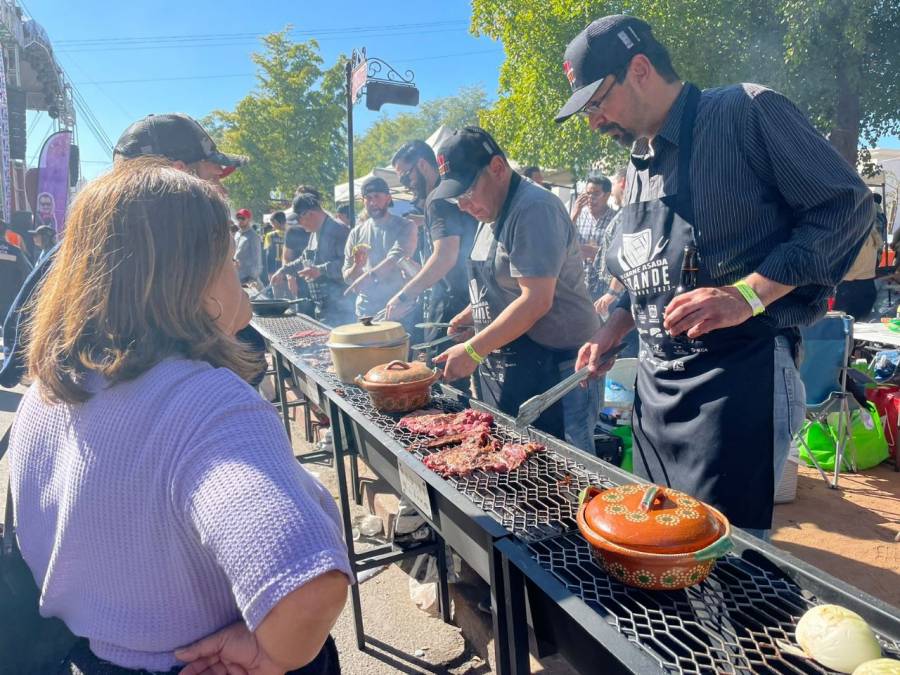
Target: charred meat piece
(480,452)
(435,423)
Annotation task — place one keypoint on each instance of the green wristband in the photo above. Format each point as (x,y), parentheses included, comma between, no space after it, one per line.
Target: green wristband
(475,356)
(746,290)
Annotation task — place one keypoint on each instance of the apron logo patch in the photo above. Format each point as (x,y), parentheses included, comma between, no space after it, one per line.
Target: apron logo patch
(644,269)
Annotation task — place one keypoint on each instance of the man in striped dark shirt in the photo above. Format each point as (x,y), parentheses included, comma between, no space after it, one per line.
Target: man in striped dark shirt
(776,217)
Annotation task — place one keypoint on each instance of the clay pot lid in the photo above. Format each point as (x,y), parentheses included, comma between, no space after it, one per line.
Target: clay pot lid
(367,333)
(399,372)
(652,519)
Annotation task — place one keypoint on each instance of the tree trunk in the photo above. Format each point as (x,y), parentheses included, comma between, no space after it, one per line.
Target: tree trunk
(845,134)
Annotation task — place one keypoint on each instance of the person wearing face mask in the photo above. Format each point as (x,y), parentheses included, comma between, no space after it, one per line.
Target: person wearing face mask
(374,250)
(739,219)
(528,300)
(448,234)
(158,503)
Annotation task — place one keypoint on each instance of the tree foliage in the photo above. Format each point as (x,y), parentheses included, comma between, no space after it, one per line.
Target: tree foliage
(377,145)
(291,126)
(837,59)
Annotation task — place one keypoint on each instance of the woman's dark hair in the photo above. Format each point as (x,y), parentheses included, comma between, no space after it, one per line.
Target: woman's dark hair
(412,151)
(278,217)
(877,197)
(600,181)
(308,190)
(307,201)
(344,210)
(529,171)
(143,243)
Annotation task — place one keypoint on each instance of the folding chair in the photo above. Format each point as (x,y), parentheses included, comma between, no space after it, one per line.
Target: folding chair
(826,347)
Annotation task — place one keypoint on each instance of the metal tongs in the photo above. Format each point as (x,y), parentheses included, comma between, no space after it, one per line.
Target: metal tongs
(438,341)
(531,409)
(267,289)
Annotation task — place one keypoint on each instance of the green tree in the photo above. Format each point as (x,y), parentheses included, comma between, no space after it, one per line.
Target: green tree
(291,126)
(377,145)
(834,58)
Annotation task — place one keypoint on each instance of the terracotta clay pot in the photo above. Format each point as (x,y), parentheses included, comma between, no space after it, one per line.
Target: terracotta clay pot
(652,537)
(399,386)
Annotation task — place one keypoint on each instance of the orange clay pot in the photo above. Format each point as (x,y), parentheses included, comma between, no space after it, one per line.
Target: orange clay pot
(652,537)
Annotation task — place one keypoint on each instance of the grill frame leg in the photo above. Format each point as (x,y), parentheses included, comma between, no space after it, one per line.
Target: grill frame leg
(281,389)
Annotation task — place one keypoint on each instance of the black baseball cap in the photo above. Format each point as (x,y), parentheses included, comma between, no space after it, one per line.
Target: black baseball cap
(374,184)
(175,136)
(460,157)
(605,46)
(43,229)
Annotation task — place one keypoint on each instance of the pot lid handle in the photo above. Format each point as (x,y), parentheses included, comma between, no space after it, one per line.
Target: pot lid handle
(396,363)
(367,320)
(650,495)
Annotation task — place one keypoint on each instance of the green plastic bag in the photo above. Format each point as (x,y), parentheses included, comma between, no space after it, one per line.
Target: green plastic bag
(868,442)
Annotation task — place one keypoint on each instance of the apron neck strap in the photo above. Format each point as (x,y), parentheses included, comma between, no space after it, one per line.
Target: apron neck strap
(515,181)
(685,146)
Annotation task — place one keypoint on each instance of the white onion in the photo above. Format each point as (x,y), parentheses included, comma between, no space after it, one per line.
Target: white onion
(837,638)
(879,667)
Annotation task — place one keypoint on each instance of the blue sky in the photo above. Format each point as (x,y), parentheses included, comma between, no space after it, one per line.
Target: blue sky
(203,62)
(430,38)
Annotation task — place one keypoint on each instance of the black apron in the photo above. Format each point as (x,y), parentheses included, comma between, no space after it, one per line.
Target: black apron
(514,373)
(703,418)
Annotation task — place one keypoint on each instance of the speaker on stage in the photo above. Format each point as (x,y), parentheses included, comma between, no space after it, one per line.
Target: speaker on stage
(15,99)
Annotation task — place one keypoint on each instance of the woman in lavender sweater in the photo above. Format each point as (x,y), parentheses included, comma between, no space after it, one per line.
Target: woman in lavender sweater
(157,499)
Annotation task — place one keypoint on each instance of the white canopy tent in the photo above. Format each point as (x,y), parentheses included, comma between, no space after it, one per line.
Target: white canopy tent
(342,191)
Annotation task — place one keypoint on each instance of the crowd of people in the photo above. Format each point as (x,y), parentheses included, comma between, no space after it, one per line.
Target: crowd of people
(730,227)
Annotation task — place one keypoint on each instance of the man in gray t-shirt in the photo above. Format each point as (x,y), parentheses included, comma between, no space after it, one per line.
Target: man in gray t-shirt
(528,299)
(374,249)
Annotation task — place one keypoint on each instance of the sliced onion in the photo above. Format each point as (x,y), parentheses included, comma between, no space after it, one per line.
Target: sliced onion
(837,638)
(879,667)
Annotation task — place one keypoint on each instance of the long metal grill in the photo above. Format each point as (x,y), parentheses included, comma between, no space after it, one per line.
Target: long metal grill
(731,623)
(538,499)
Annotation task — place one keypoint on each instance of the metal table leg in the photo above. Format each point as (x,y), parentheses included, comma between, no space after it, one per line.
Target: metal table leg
(281,390)
(354,479)
(517,624)
(339,446)
(499,616)
(443,585)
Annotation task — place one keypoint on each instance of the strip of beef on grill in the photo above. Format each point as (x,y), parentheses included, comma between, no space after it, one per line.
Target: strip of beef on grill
(436,423)
(480,451)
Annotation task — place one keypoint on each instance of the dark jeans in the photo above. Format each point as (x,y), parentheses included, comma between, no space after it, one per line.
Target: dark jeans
(856,298)
(82,661)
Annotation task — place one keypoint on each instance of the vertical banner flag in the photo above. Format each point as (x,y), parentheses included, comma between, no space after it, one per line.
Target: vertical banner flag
(53,182)
(5,163)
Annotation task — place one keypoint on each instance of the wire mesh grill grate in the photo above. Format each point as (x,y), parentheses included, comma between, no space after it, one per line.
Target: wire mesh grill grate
(731,623)
(538,499)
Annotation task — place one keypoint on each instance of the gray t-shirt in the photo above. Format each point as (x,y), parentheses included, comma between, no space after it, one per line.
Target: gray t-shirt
(538,239)
(394,238)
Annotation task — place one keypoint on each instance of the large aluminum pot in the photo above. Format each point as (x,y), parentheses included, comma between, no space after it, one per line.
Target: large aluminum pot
(358,347)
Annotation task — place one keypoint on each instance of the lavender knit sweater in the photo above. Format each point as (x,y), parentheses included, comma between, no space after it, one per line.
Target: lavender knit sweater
(164,509)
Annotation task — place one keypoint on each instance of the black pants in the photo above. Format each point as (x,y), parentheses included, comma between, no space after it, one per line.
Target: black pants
(82,661)
(856,298)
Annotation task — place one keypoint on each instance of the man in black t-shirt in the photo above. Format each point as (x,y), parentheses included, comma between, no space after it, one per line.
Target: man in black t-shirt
(449,236)
(14,269)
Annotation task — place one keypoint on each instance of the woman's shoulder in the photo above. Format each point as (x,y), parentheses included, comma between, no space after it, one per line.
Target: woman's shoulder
(199,382)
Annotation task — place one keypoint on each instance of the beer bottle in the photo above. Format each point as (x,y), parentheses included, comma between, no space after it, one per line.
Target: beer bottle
(688,279)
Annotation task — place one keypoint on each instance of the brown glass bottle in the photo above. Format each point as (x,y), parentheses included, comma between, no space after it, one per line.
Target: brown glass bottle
(688,279)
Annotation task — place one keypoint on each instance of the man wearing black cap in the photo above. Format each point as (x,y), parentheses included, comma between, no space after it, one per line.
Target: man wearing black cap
(448,236)
(374,250)
(174,136)
(180,138)
(739,219)
(528,301)
(322,260)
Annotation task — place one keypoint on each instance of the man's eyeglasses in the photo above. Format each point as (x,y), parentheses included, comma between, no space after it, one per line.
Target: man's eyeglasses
(468,194)
(593,107)
(241,218)
(406,176)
